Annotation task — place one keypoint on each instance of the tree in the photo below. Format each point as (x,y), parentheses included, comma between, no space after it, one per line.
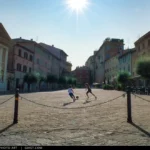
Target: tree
(62,80)
(40,79)
(143,67)
(70,81)
(30,78)
(52,79)
(74,82)
(123,78)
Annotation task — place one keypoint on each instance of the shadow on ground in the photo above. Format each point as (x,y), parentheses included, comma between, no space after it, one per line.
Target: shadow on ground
(6,128)
(141,129)
(66,104)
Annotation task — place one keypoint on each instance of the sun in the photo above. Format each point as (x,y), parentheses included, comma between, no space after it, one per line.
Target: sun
(77,5)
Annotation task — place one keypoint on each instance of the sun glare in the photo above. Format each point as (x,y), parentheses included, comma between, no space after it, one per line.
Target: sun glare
(77,5)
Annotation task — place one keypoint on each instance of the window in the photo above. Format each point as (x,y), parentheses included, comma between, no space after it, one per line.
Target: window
(25,55)
(18,67)
(107,47)
(31,57)
(30,69)
(24,68)
(19,52)
(107,56)
(38,61)
(149,42)
(129,68)
(143,45)
(49,57)
(139,48)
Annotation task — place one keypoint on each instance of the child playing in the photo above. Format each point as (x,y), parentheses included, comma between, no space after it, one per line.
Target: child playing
(89,90)
(70,92)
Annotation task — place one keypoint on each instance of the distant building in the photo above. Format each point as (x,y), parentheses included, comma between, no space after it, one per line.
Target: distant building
(20,62)
(82,75)
(109,49)
(5,44)
(90,63)
(60,54)
(111,69)
(125,60)
(68,66)
(142,46)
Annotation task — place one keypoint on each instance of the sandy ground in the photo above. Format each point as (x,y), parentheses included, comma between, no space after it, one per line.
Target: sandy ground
(97,125)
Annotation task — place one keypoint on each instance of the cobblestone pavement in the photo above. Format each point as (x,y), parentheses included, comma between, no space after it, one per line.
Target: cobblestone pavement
(100,125)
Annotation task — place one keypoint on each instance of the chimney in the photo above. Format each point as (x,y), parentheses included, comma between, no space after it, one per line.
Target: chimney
(52,45)
(20,38)
(31,39)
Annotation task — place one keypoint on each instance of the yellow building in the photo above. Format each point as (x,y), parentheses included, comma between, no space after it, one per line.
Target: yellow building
(111,69)
(68,66)
(142,46)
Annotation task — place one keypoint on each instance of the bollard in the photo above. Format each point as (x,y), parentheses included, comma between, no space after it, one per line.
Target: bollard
(16,106)
(129,119)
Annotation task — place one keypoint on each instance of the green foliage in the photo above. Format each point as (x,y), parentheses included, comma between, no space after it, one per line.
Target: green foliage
(30,78)
(62,80)
(74,81)
(51,78)
(40,78)
(123,77)
(108,87)
(143,67)
(119,87)
(70,81)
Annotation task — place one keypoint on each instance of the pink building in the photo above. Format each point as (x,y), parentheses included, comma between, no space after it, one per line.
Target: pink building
(20,62)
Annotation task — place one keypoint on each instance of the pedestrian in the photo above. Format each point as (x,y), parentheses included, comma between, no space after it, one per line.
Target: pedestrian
(89,90)
(71,93)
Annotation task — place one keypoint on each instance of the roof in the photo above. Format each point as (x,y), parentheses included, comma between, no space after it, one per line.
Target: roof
(125,52)
(109,40)
(4,36)
(20,40)
(69,63)
(3,33)
(24,48)
(53,50)
(143,37)
(89,58)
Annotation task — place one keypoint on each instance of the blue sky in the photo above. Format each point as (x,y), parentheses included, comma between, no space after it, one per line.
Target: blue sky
(49,21)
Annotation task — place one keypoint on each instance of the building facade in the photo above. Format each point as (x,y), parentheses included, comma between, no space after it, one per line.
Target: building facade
(20,62)
(28,56)
(111,69)
(5,44)
(82,74)
(68,67)
(109,49)
(125,61)
(142,46)
(60,55)
(90,64)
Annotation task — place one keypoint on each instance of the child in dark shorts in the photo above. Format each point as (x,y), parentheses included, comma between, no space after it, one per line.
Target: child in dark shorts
(89,90)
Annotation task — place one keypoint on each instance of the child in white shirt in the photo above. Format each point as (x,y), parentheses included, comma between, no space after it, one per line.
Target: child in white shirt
(71,93)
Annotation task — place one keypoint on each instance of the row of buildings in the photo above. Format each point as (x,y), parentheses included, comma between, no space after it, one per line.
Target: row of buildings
(20,56)
(111,58)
